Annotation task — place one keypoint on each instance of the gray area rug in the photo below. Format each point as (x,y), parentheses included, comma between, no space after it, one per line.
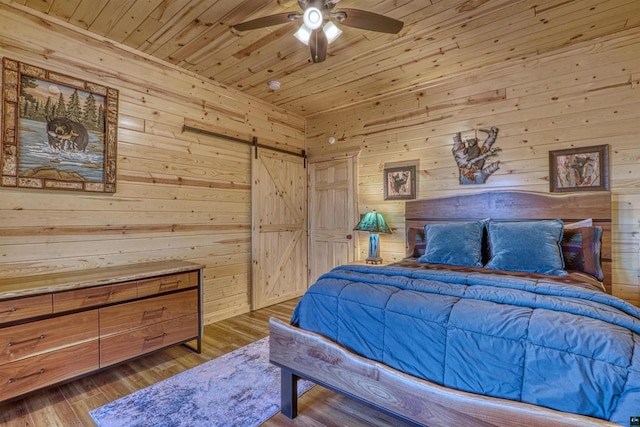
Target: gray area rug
(240,389)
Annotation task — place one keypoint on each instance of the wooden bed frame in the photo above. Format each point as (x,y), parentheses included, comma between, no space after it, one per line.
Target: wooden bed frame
(304,354)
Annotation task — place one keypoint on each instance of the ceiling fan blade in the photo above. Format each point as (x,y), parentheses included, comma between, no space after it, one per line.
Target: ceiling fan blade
(318,45)
(267,21)
(364,20)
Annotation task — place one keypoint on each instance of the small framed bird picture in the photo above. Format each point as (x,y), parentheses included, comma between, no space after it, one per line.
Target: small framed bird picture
(400,182)
(579,169)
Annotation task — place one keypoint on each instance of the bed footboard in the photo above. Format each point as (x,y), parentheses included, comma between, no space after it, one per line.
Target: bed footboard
(303,354)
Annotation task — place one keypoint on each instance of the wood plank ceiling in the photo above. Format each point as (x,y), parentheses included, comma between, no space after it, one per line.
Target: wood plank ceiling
(440,38)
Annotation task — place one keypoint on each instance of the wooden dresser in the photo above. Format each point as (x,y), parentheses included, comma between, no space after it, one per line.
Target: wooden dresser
(57,327)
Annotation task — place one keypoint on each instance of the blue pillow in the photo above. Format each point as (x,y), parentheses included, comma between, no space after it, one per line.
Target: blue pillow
(531,246)
(456,243)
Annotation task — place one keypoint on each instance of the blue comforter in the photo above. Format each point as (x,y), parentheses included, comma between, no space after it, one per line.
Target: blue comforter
(531,340)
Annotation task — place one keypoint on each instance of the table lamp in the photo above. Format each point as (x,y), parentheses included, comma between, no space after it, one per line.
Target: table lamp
(374,223)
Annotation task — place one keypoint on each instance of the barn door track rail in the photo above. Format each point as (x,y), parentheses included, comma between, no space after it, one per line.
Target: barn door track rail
(253,142)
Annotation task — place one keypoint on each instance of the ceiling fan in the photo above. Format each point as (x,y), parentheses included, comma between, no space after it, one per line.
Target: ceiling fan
(318,30)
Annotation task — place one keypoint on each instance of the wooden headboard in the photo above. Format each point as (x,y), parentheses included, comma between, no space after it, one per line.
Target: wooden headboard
(516,205)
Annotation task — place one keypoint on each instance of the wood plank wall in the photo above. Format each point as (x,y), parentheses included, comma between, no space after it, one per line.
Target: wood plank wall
(179,195)
(584,95)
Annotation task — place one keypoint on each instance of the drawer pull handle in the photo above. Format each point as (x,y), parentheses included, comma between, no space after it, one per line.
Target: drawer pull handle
(13,380)
(11,310)
(41,337)
(175,283)
(164,334)
(107,294)
(153,311)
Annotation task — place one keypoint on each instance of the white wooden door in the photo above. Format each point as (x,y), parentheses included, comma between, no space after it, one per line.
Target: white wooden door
(279,227)
(333,212)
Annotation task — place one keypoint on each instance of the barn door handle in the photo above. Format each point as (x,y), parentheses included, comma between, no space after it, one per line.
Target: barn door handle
(349,236)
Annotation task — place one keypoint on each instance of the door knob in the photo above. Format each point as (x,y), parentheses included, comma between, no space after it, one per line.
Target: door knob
(349,236)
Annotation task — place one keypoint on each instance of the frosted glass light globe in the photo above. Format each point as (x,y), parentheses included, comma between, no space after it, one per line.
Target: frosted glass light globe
(312,18)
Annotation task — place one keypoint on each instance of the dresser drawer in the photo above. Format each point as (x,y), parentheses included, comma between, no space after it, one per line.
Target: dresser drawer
(168,283)
(26,340)
(117,348)
(23,308)
(98,295)
(35,372)
(120,318)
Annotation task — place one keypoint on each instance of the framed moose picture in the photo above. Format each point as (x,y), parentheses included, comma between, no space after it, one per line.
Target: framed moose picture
(400,182)
(579,169)
(59,132)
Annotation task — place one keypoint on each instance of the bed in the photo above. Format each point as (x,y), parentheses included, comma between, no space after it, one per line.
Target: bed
(350,331)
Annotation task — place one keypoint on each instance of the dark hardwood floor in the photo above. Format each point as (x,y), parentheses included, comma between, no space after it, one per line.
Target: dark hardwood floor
(69,404)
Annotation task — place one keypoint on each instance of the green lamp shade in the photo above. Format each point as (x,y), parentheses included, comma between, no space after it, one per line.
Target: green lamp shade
(374,223)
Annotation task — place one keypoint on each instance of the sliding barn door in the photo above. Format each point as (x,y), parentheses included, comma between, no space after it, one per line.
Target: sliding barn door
(333,213)
(279,235)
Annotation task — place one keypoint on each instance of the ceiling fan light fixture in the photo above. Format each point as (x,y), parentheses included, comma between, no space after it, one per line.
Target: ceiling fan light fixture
(303,34)
(312,18)
(318,30)
(332,32)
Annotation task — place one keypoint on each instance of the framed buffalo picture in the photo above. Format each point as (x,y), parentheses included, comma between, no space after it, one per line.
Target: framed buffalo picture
(58,132)
(579,169)
(399,182)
